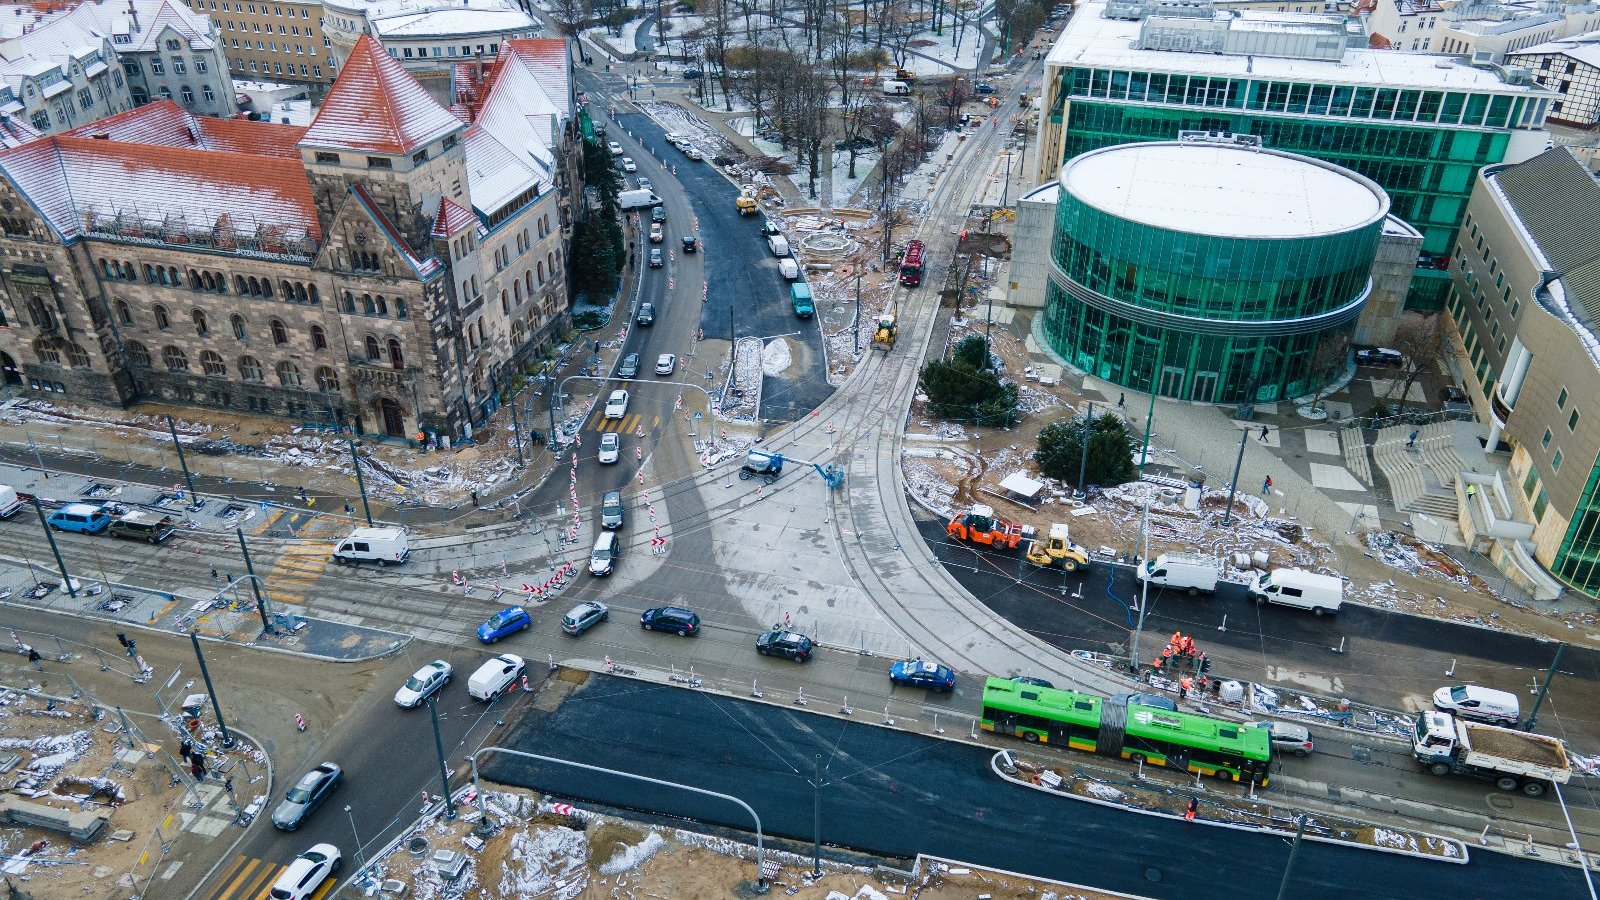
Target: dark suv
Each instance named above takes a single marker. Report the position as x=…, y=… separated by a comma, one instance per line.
x=647, y=314
x=670, y=618
x=658, y=214
x=788, y=644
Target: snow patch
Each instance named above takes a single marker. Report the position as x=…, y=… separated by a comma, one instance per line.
x=550, y=864
x=776, y=358
x=631, y=857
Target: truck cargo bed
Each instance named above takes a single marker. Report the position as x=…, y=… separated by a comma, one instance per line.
x=1534, y=749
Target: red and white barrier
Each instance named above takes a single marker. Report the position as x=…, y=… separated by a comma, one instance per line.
x=299, y=722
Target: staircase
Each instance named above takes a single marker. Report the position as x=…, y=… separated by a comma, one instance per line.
x=1421, y=478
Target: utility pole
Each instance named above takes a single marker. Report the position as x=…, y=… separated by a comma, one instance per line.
x=227, y=739
x=444, y=772
x=50, y=536
x=255, y=583
x=1227, y=515
x=194, y=498
x=816, y=822
x=516, y=434
x=1144, y=591
x=361, y=484
x=860, y=264
x=1533, y=716
x=550, y=386
x=1149, y=418
x=1294, y=850
x=1083, y=459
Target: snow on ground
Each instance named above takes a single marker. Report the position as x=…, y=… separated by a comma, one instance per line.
x=634, y=855
x=776, y=358
x=547, y=863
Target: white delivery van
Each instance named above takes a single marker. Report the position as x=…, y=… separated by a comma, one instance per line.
x=378, y=545
x=603, y=558
x=9, y=502
x=1468, y=701
x=895, y=88
x=495, y=677
x=788, y=268
x=1322, y=594
x=637, y=199
x=1190, y=572
x=779, y=245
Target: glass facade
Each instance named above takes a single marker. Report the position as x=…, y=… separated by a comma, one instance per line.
x=1202, y=317
x=1422, y=146
x=1578, y=561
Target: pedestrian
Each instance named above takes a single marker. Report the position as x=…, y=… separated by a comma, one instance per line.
x=1194, y=807
x=213, y=573
x=1263, y=438
x=474, y=498
x=197, y=768
x=1411, y=442
x=1266, y=485
x=1122, y=401
x=1188, y=645
x=1186, y=685
x=33, y=657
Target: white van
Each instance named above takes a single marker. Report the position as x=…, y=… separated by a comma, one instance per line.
x=495, y=677
x=893, y=87
x=380, y=545
x=1190, y=572
x=788, y=268
x=1468, y=701
x=9, y=502
x=779, y=245
x=603, y=558
x=1322, y=594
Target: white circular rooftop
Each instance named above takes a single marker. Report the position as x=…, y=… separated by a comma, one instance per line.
x=1223, y=190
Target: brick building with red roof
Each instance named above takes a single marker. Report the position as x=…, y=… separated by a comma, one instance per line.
x=388, y=268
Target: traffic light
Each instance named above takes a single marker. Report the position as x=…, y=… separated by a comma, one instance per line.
x=122, y=638
x=1205, y=664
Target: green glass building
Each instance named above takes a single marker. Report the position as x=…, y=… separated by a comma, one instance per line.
x=1211, y=269
x=1420, y=125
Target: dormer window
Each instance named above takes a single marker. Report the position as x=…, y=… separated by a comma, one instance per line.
x=173, y=45
x=379, y=162
x=325, y=157
x=419, y=157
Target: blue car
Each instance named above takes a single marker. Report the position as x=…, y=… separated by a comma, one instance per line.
x=504, y=623
x=924, y=674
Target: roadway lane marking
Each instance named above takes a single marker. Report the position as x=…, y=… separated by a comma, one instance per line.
x=297, y=568
x=246, y=878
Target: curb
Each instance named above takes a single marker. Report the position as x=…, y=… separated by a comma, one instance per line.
x=994, y=765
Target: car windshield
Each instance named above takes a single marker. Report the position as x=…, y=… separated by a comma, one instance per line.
x=414, y=683
x=1458, y=694
x=313, y=857
x=297, y=795
x=600, y=555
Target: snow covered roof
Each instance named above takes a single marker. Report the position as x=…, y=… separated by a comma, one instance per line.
x=48, y=32
x=518, y=112
x=68, y=177
x=14, y=132
x=166, y=124
x=446, y=21
x=376, y=106
x=1583, y=48
x=451, y=219
x=1224, y=190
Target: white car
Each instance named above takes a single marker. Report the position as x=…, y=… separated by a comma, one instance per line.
x=628, y=164
x=617, y=405
x=423, y=683
x=610, y=447
x=692, y=153
x=666, y=364
x=644, y=183
x=307, y=873
x=614, y=147
x=657, y=233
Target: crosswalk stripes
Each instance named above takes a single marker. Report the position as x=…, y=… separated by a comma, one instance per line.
x=296, y=571
x=624, y=425
x=248, y=878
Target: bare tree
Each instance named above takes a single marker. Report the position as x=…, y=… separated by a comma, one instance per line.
x=569, y=15
x=952, y=94
x=719, y=24
x=1421, y=341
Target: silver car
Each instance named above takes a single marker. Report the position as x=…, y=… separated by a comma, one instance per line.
x=307, y=794
x=584, y=616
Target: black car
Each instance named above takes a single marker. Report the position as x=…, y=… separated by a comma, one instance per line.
x=1452, y=394
x=1380, y=356
x=690, y=245
x=629, y=367
x=655, y=258
x=983, y=87
x=658, y=213
x=692, y=74
x=670, y=618
x=647, y=314
x=788, y=644
x=307, y=794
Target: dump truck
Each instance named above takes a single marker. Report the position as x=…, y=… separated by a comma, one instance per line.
x=883, y=334
x=1057, y=549
x=1513, y=760
x=979, y=525
x=746, y=203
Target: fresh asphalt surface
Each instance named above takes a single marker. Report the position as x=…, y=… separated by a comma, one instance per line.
x=897, y=794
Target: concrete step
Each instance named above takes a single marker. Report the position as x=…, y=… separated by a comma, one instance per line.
x=1437, y=504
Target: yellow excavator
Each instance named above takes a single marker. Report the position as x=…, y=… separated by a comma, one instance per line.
x=1057, y=549
x=746, y=201
x=883, y=333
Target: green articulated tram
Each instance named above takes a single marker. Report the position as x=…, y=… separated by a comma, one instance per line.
x=1158, y=737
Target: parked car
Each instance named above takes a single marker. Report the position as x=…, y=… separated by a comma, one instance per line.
x=1380, y=356
x=666, y=364
x=692, y=73
x=423, y=683
x=1287, y=737
x=614, y=147
x=307, y=873
x=658, y=232
x=647, y=314
x=983, y=87
x=655, y=258
x=629, y=367
x=1154, y=701
x=670, y=618
x=610, y=447
x=611, y=510
x=1452, y=394
x=584, y=616
x=628, y=164
x=1029, y=679
x=690, y=245
x=617, y=405
x=693, y=153
x=787, y=644
x=924, y=674
x=306, y=795
x=503, y=624
x=658, y=213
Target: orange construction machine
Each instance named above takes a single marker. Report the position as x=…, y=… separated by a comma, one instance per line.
x=979, y=526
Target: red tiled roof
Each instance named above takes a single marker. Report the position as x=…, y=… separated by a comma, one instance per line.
x=425, y=267
x=452, y=219
x=68, y=177
x=166, y=124
x=377, y=106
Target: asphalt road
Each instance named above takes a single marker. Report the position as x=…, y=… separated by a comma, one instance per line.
x=896, y=794
x=1389, y=660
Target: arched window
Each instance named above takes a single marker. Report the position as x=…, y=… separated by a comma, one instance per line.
x=41, y=315
x=383, y=306
x=287, y=289
x=150, y=273
x=250, y=368
x=211, y=363
x=311, y=294
x=240, y=286
x=46, y=351
x=209, y=281
x=288, y=374
x=516, y=291
x=541, y=272
x=319, y=338
x=399, y=308
x=138, y=356
x=174, y=360
x=299, y=292
x=527, y=281
x=172, y=275
x=373, y=353
x=327, y=380
x=481, y=335
x=280, y=332
x=163, y=321
x=396, y=358
x=194, y=280
x=505, y=302
x=124, y=313
x=239, y=329
x=266, y=288
x=255, y=287
x=516, y=334
x=199, y=317
x=367, y=306
x=77, y=357
x=349, y=303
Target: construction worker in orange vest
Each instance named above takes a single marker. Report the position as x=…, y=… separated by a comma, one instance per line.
x=1186, y=684
x=1188, y=645
x=1194, y=807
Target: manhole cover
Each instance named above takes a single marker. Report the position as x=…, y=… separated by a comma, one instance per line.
x=1152, y=874
x=1500, y=801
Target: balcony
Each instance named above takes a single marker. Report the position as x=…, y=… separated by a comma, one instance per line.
x=1499, y=408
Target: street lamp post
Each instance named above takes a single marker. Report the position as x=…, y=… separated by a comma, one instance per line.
x=1144, y=591
x=216, y=706
x=60, y=564
x=444, y=772
x=361, y=858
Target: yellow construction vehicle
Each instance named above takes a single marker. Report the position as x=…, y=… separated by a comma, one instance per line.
x=884, y=333
x=1058, y=550
x=747, y=201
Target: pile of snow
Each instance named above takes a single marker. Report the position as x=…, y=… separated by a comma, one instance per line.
x=549, y=863
x=776, y=358
x=631, y=857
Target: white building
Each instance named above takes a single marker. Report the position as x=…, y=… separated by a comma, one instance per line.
x=1486, y=30
x=429, y=37
x=1571, y=68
